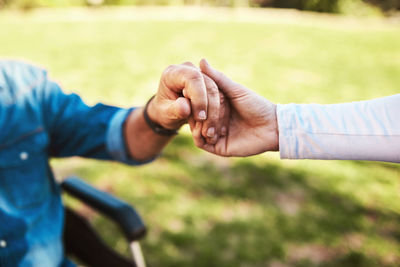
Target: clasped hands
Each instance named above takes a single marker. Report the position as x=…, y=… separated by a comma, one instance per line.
x=225, y=117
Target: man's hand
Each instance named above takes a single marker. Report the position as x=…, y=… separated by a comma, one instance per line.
x=250, y=120
x=183, y=91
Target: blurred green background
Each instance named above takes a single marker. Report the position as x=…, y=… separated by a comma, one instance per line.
x=359, y=7
x=204, y=210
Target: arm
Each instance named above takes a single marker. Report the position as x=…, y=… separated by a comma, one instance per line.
x=365, y=130
x=107, y=132
x=137, y=136
x=368, y=130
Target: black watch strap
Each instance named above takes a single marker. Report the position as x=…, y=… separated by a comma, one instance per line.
x=157, y=128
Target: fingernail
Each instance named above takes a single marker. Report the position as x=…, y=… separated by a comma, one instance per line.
x=223, y=130
x=212, y=140
x=211, y=132
x=202, y=115
x=205, y=61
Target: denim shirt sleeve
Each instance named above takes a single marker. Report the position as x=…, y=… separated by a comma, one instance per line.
x=76, y=129
x=116, y=141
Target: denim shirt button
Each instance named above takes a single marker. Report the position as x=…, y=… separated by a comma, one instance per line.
x=23, y=155
x=3, y=243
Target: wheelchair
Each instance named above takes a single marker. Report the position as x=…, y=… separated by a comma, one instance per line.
x=83, y=243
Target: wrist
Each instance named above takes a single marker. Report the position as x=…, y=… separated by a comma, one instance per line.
x=273, y=129
x=152, y=110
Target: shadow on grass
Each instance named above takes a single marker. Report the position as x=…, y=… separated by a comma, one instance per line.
x=385, y=165
x=299, y=215
x=266, y=214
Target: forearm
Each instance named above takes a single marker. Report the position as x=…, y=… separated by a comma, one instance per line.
x=142, y=142
x=366, y=130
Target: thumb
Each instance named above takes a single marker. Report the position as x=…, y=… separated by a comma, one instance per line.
x=179, y=109
x=230, y=88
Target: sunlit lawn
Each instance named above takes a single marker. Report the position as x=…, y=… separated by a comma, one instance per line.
x=203, y=210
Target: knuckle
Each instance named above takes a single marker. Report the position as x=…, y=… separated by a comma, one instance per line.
x=213, y=93
x=169, y=69
x=195, y=75
x=211, y=121
x=188, y=63
x=221, y=98
x=214, y=116
x=212, y=89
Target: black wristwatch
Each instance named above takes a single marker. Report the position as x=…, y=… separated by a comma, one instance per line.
x=157, y=128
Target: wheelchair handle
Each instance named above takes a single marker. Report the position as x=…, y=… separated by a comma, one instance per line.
x=117, y=210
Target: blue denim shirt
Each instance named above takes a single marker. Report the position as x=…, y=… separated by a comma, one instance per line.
x=39, y=121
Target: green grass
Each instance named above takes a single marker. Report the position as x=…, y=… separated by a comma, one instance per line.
x=203, y=210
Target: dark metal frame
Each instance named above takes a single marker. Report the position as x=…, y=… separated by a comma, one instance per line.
x=82, y=241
